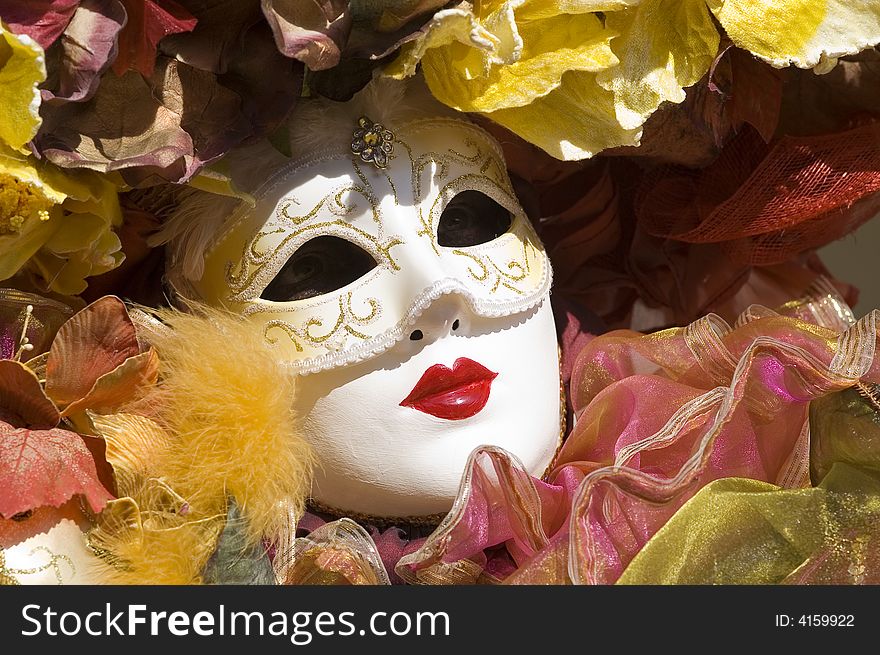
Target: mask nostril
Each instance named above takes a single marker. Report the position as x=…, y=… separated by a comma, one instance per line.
x=455, y=324
x=416, y=335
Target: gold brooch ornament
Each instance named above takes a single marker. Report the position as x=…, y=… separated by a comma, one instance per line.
x=372, y=142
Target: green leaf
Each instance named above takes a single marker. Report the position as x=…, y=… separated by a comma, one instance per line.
x=234, y=562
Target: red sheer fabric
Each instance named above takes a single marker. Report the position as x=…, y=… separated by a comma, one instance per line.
x=765, y=203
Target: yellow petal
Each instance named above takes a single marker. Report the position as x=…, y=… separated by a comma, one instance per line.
x=551, y=47
x=444, y=29
x=583, y=119
x=76, y=231
x=66, y=274
x=663, y=47
x=27, y=169
x=17, y=248
x=22, y=69
x=533, y=9
x=805, y=33
x=55, y=222
x=87, y=193
x=106, y=254
x=28, y=211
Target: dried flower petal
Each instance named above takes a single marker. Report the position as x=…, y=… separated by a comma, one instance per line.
x=166, y=128
x=91, y=344
x=312, y=32
x=85, y=51
x=22, y=400
x=42, y=20
x=149, y=21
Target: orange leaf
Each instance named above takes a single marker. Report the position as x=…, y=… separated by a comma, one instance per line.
x=45, y=468
x=22, y=400
x=91, y=344
x=149, y=21
x=120, y=385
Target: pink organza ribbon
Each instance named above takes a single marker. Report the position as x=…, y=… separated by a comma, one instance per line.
x=659, y=416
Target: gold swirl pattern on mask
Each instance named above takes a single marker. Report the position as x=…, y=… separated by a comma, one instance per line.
x=489, y=272
x=508, y=276
x=345, y=326
x=8, y=575
x=254, y=268
x=443, y=161
x=499, y=191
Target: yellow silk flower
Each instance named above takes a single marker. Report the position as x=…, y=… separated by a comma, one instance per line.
x=519, y=62
x=577, y=77
x=22, y=69
x=803, y=33
x=55, y=224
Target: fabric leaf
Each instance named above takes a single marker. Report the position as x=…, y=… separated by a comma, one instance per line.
x=165, y=128
x=234, y=561
x=91, y=344
x=91, y=134
x=22, y=400
x=822, y=104
x=120, y=385
x=86, y=49
x=266, y=100
x=149, y=21
x=42, y=20
x=312, y=31
x=213, y=44
x=45, y=468
x=751, y=90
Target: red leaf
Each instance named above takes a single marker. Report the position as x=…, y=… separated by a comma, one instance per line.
x=42, y=20
x=22, y=400
x=149, y=21
x=91, y=344
x=45, y=468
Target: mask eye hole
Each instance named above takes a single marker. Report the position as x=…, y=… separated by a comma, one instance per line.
x=319, y=266
x=472, y=218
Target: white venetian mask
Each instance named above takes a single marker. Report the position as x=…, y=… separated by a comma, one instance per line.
x=408, y=288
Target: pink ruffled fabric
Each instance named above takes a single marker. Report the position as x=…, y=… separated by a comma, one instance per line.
x=659, y=416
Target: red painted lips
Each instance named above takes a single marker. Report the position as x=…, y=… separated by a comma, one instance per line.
x=454, y=394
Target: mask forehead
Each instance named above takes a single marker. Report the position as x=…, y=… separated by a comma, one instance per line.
x=392, y=213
